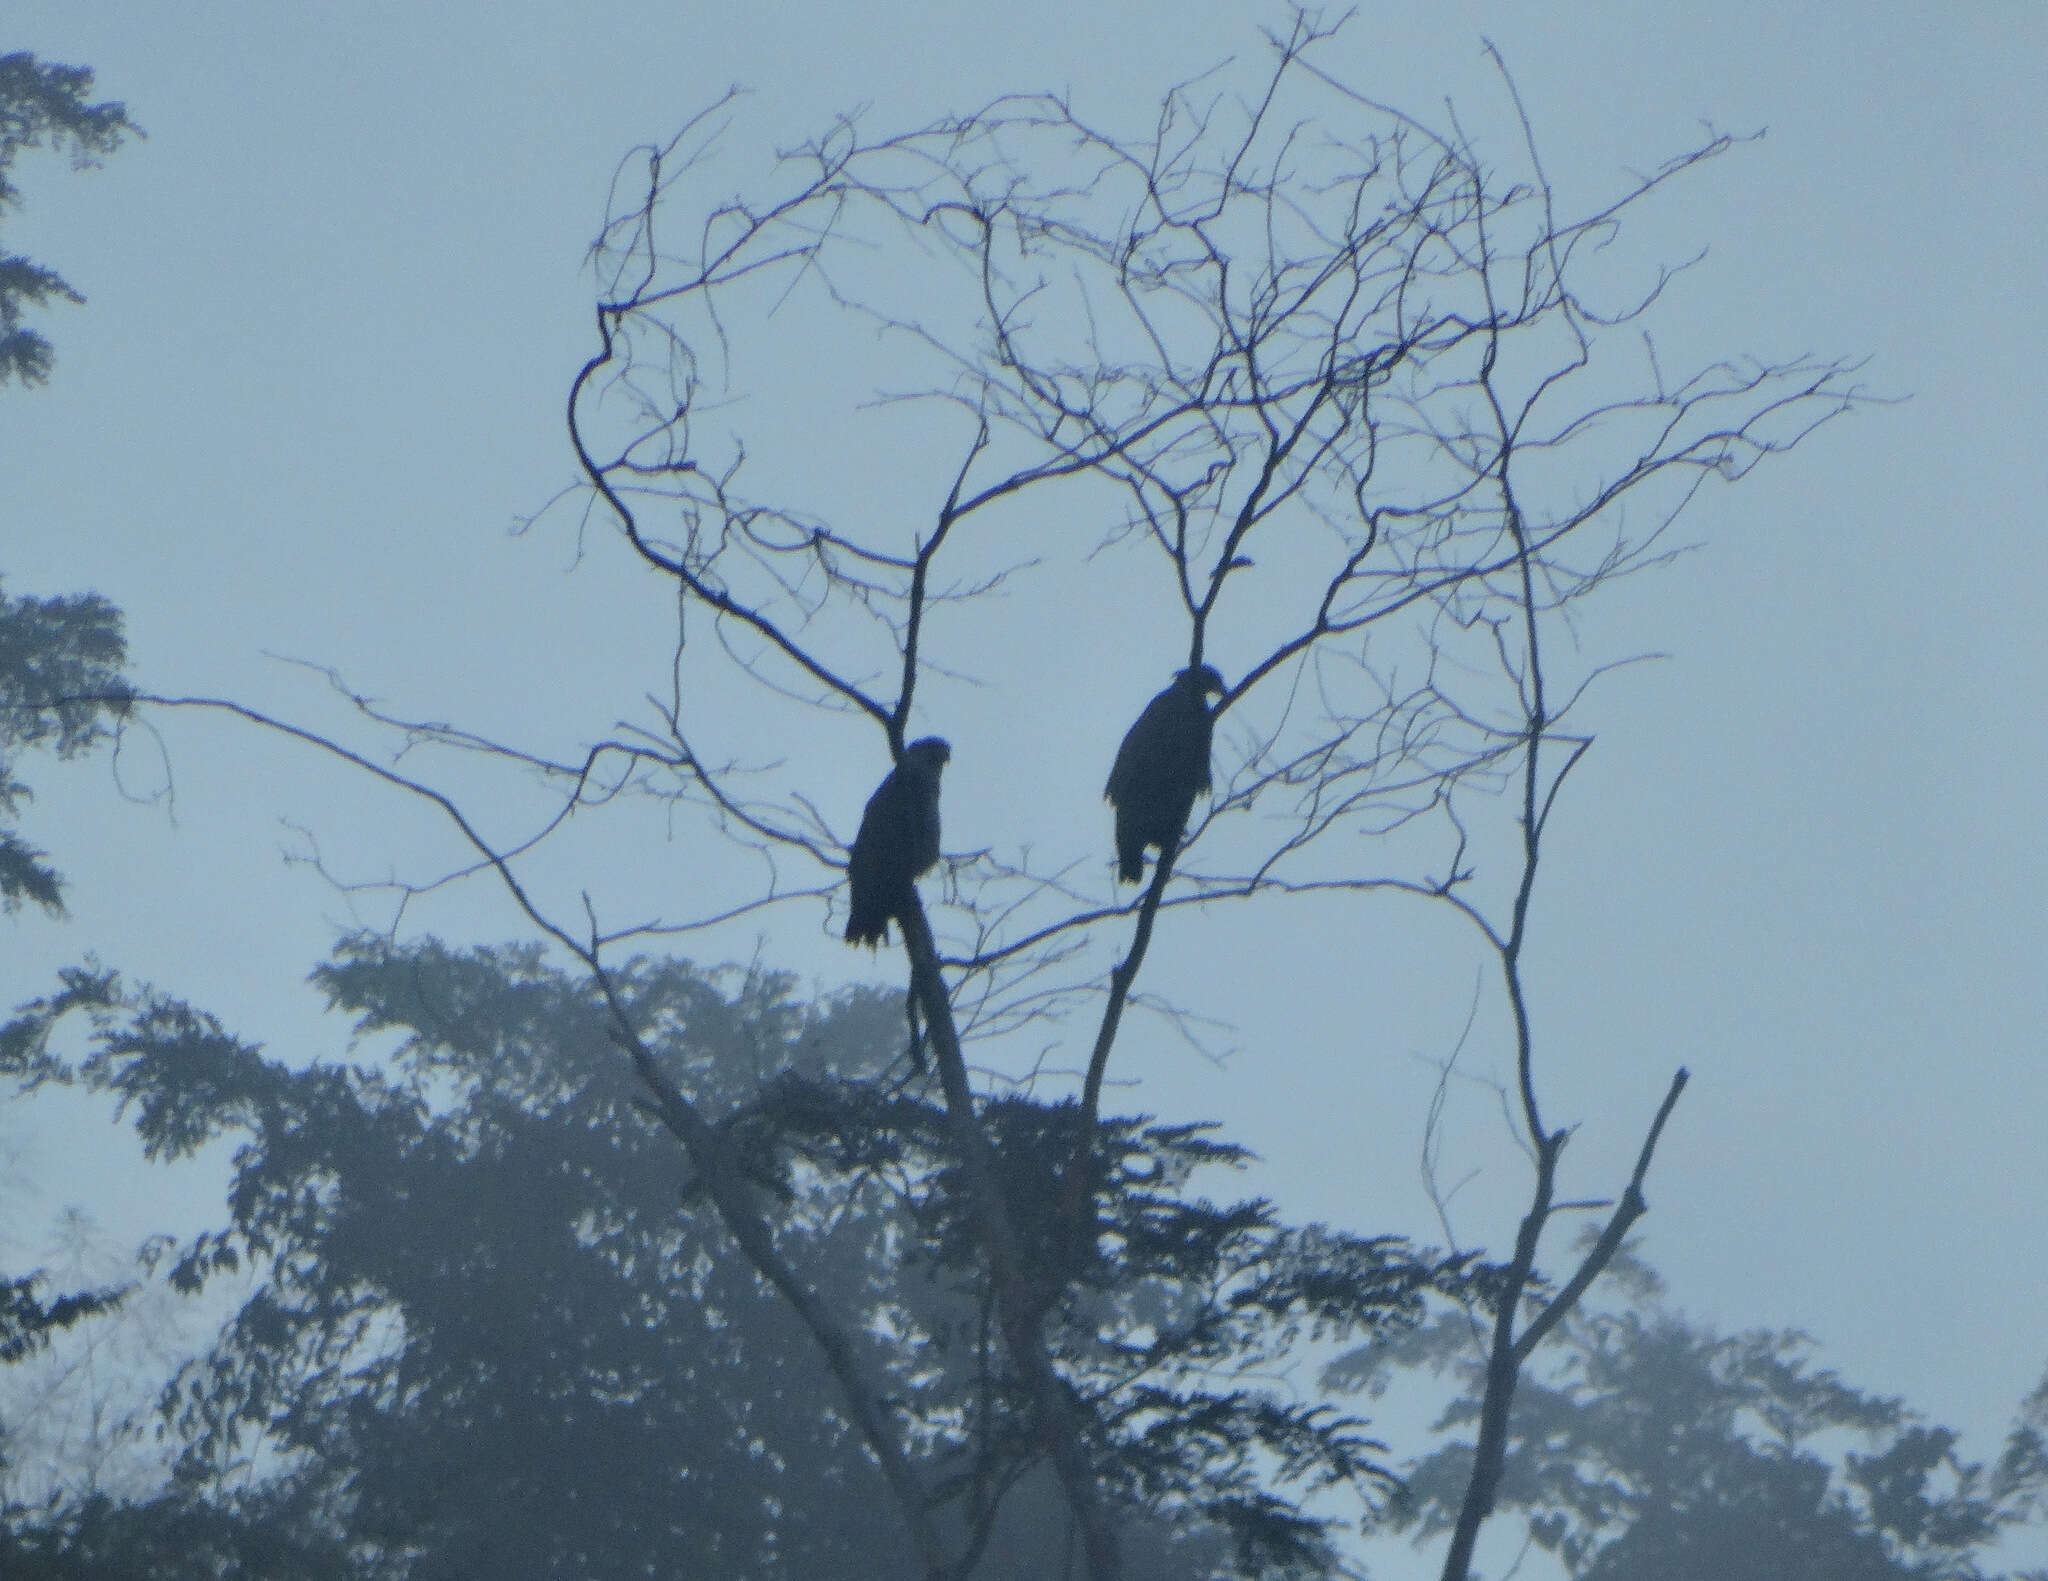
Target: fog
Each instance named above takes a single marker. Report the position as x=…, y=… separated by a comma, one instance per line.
x=310, y=419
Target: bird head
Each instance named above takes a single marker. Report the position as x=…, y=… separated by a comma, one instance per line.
x=1202, y=680
x=929, y=753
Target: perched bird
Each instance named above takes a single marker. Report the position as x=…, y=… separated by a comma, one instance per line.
x=1160, y=769
x=898, y=839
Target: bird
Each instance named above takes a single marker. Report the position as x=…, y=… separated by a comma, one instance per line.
x=898, y=840
x=1160, y=769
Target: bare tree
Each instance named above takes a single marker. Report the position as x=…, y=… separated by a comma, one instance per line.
x=1298, y=337
x=1350, y=395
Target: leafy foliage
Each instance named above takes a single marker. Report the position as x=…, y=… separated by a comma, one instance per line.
x=498, y=1329
x=28, y=1318
x=43, y=104
x=60, y=685
x=1655, y=1450
x=50, y=648
x=173, y=1538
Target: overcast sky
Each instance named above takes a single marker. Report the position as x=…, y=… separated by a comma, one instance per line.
x=335, y=300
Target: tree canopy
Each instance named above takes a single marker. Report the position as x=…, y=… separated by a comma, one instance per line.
x=496, y=1324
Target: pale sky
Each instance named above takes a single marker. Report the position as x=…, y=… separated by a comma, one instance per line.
x=336, y=298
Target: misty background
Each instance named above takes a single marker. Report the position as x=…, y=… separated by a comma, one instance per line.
x=313, y=412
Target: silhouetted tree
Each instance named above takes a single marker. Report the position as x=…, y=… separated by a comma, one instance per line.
x=1293, y=336
x=1337, y=388
x=1651, y=1448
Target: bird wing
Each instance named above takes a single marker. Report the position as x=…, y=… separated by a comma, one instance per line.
x=886, y=829
x=1143, y=746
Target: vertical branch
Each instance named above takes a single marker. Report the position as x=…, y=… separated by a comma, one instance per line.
x=1504, y=1358
x=1535, y=722
x=729, y=1193
x=920, y=573
x=1023, y=1294
x=1121, y=979
x=1508, y=1352
x=1076, y=1208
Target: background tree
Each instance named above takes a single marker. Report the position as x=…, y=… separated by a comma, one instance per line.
x=50, y=648
x=44, y=105
x=491, y=1322
x=64, y=648
x=1652, y=1448
x=496, y=1323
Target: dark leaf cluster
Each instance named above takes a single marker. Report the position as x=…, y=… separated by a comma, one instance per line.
x=29, y=1314
x=61, y=686
x=43, y=105
x=1163, y=1317
x=175, y=1537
